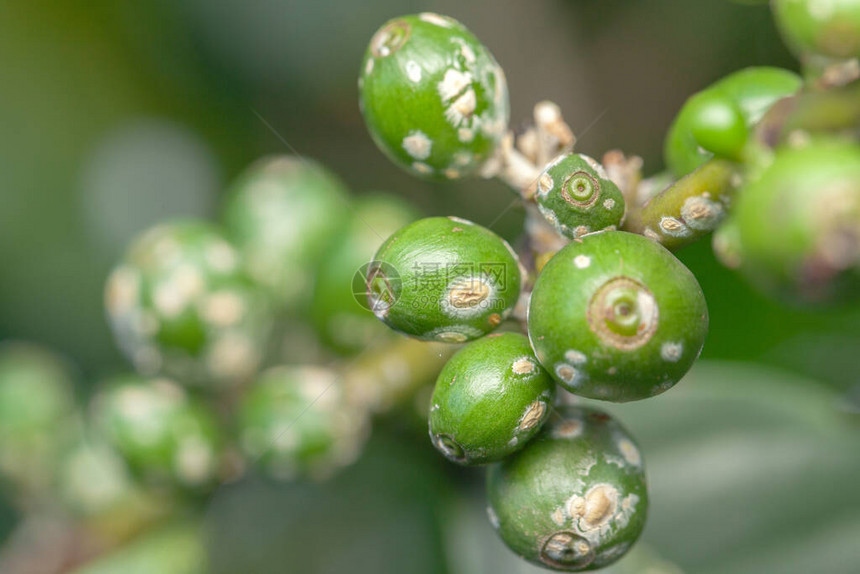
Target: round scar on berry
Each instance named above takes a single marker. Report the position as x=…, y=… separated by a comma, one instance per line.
x=577, y=197
x=444, y=279
x=615, y=316
x=575, y=498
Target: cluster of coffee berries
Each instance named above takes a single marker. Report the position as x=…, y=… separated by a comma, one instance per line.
x=794, y=226
x=226, y=327
x=51, y=456
x=605, y=310
x=227, y=323
x=611, y=316
x=221, y=311
x=234, y=331
x=808, y=250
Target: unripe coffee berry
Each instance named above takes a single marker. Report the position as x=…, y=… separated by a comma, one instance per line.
x=295, y=422
x=164, y=434
x=575, y=498
x=828, y=28
x=490, y=399
x=444, y=279
x=94, y=484
x=434, y=99
x=37, y=411
x=807, y=247
x=180, y=304
x=718, y=124
x=712, y=115
x=576, y=196
x=338, y=310
x=615, y=316
x=282, y=213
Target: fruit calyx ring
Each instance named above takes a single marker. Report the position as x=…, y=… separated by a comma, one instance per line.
x=623, y=313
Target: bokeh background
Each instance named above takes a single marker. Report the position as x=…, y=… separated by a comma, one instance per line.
x=117, y=114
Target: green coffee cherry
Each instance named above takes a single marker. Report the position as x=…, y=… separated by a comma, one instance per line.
x=575, y=498
x=94, y=485
x=37, y=410
x=712, y=115
x=576, y=196
x=812, y=27
x=718, y=124
x=166, y=436
x=444, y=279
x=180, y=304
x=93, y=479
x=799, y=224
x=490, y=399
x=339, y=311
x=614, y=316
x=295, y=422
x=283, y=213
x=434, y=99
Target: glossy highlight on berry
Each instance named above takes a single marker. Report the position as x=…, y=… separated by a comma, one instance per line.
x=444, y=279
x=712, y=115
x=575, y=498
x=614, y=316
x=490, y=399
x=434, y=99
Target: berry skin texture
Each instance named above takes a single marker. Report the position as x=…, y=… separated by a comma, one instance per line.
x=295, y=422
x=340, y=320
x=283, y=213
x=490, y=399
x=615, y=316
x=812, y=27
x=444, y=279
x=575, y=498
x=751, y=91
x=180, y=304
x=165, y=435
x=807, y=249
x=434, y=99
x=576, y=196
